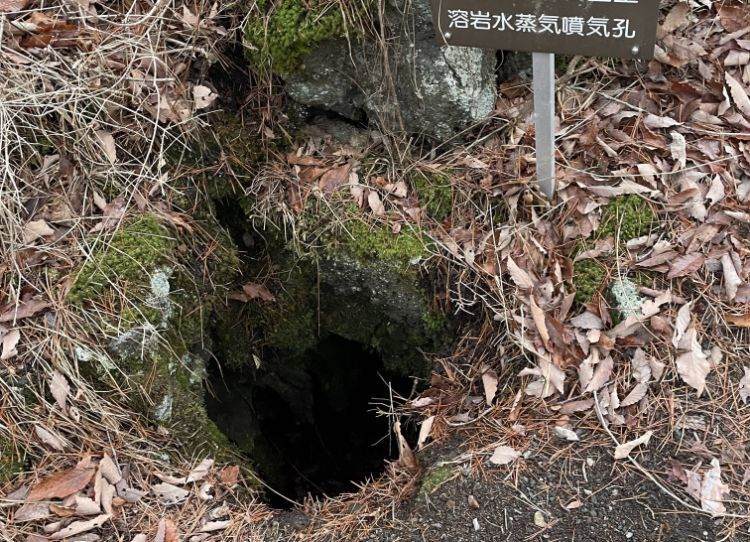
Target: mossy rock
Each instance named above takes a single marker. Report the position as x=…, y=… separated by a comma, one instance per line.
x=138, y=247
x=157, y=307
x=284, y=32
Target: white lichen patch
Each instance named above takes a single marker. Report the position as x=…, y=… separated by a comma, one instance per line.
x=159, y=295
x=627, y=299
x=163, y=410
x=86, y=355
x=196, y=368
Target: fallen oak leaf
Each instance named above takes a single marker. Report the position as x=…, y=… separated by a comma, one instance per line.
x=11, y=6
x=32, y=511
x=49, y=438
x=713, y=490
x=504, y=455
x=623, y=450
x=685, y=265
x=519, y=276
x=24, y=309
x=9, y=343
x=489, y=382
x=739, y=94
x=60, y=389
x=169, y=494
x=61, y=484
x=258, y=291
x=36, y=229
x=78, y=527
x=107, y=144
x=200, y=471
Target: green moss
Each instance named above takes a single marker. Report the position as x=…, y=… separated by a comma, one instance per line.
x=131, y=254
x=12, y=461
x=368, y=243
x=435, y=478
x=626, y=217
x=290, y=29
x=434, y=191
x=588, y=279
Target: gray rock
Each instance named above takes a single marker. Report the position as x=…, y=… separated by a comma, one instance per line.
x=415, y=86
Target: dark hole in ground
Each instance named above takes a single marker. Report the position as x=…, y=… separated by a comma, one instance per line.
x=309, y=423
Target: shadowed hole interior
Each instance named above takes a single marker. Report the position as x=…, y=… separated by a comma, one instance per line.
x=309, y=424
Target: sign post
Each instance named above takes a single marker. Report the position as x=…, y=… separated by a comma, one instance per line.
x=613, y=28
x=544, y=120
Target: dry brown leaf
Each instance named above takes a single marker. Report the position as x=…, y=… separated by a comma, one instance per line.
x=676, y=18
x=60, y=389
x=169, y=494
x=257, y=291
x=654, y=121
x=35, y=229
x=713, y=490
x=10, y=6
x=49, y=438
x=623, y=450
x=693, y=365
x=739, y=320
x=78, y=527
x=732, y=280
x=32, y=511
x=601, y=375
x=109, y=469
x=685, y=265
x=373, y=200
x=739, y=94
x=636, y=394
x=166, y=531
x=107, y=143
x=406, y=457
x=537, y=314
x=200, y=471
x=489, y=382
x=504, y=455
x=519, y=276
x=25, y=309
x=61, y=484
x=9, y=343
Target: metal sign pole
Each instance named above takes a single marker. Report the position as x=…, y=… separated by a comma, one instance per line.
x=544, y=120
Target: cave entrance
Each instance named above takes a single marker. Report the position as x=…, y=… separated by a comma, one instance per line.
x=309, y=422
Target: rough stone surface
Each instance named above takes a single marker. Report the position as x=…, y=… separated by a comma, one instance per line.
x=421, y=87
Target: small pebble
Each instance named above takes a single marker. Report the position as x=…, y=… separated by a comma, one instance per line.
x=475, y=521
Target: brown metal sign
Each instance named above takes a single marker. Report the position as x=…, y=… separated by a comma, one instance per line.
x=614, y=28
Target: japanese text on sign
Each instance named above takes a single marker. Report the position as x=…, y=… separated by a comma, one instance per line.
x=623, y=28
x=553, y=24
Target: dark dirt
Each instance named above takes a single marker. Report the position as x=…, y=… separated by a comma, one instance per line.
x=615, y=504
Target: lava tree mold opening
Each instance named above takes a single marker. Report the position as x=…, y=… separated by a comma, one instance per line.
x=309, y=357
